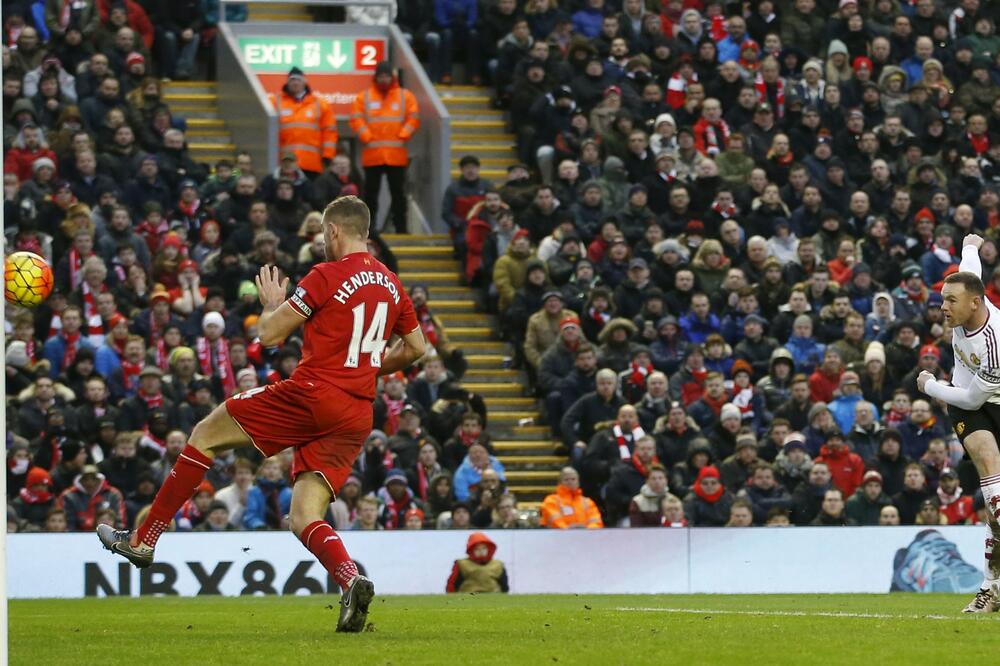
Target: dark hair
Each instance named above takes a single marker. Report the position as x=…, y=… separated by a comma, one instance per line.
x=972, y=283
x=584, y=348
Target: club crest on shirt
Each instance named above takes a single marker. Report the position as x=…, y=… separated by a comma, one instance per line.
x=975, y=359
x=960, y=427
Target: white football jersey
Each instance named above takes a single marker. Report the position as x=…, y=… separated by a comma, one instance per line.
x=977, y=355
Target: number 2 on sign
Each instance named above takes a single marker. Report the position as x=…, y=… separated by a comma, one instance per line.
x=372, y=342
x=369, y=55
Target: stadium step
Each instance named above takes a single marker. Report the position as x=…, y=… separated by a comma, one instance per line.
x=438, y=264
x=422, y=251
x=278, y=11
x=415, y=239
x=486, y=389
x=536, y=476
x=208, y=138
x=508, y=446
x=533, y=460
x=496, y=175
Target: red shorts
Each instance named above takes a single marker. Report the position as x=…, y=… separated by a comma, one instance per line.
x=326, y=426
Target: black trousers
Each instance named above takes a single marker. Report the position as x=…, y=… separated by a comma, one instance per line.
x=397, y=181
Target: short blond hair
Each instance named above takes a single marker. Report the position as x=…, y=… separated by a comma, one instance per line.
x=350, y=214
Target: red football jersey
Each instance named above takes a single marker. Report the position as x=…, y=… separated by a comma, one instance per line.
x=352, y=307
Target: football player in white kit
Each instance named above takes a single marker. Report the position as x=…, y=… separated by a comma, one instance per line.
x=974, y=397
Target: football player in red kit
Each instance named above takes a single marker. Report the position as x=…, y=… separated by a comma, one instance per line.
x=349, y=306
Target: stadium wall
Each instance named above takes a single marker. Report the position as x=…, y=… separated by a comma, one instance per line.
x=741, y=561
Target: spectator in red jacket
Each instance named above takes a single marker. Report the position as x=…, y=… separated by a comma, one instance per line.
x=847, y=469
x=826, y=379
x=955, y=506
x=29, y=146
x=89, y=494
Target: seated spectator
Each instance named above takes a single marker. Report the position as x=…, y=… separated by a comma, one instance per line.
x=740, y=514
x=405, y=444
x=35, y=500
x=544, y=327
x=645, y=509
x=567, y=507
x=914, y=493
x=808, y=497
x=628, y=477
x=708, y=504
x=396, y=498
x=846, y=467
x=479, y=572
x=832, y=510
x=470, y=472
x=736, y=470
x=235, y=496
x=920, y=429
x=269, y=500
x=865, y=506
x=368, y=515
x=123, y=468
x=457, y=448
x=89, y=492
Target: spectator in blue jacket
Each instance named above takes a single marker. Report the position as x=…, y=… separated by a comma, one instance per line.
x=269, y=500
x=806, y=352
x=699, y=323
x=765, y=493
x=729, y=48
x=940, y=257
x=587, y=21
x=61, y=348
x=920, y=429
x=843, y=406
x=454, y=24
x=470, y=472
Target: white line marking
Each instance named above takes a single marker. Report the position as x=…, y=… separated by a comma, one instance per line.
x=877, y=616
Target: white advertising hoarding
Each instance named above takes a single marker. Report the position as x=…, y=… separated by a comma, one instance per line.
x=612, y=561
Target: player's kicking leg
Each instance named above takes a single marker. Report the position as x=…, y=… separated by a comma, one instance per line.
x=983, y=449
x=310, y=498
x=215, y=433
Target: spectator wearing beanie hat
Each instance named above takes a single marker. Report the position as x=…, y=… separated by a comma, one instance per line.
x=212, y=349
x=544, y=327
x=709, y=502
x=875, y=384
x=558, y=359
x=36, y=499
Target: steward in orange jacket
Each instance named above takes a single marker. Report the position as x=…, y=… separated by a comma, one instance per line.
x=306, y=124
x=385, y=117
x=568, y=507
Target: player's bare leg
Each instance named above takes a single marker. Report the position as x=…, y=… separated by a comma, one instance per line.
x=217, y=432
x=983, y=449
x=310, y=498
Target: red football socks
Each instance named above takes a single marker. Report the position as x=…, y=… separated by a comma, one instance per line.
x=322, y=541
x=187, y=474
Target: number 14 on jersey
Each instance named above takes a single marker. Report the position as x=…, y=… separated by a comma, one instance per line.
x=370, y=341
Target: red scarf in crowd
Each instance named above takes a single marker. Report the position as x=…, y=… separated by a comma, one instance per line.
x=152, y=441
x=71, y=345
x=190, y=210
x=761, y=87
x=152, y=401
x=623, y=450
x=743, y=398
x=29, y=349
x=727, y=212
x=715, y=405
x=427, y=325
x=392, y=410
x=712, y=471
x=638, y=374
x=717, y=28
x=716, y=135
x=423, y=482
x=601, y=318
x=642, y=469
x=980, y=144
x=75, y=266
x=223, y=367
x=162, y=355
x=130, y=375
x=677, y=89
x=30, y=497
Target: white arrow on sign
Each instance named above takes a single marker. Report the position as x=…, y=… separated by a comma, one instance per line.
x=337, y=59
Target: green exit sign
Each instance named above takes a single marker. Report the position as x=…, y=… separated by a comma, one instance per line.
x=279, y=54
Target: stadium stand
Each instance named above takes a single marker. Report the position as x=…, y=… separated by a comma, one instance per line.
x=696, y=239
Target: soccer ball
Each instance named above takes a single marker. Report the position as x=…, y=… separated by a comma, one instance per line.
x=27, y=279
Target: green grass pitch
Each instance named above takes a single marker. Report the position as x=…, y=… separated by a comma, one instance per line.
x=498, y=629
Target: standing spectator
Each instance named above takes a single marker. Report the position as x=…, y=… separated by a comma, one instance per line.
x=454, y=23
x=460, y=198
x=179, y=24
x=385, y=117
x=567, y=507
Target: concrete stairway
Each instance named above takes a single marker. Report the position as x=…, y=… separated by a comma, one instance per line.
x=525, y=450
x=198, y=103
x=479, y=129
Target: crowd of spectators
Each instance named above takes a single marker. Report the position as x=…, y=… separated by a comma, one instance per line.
x=717, y=262
x=719, y=256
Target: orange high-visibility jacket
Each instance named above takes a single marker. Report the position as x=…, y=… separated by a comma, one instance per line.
x=307, y=127
x=384, y=123
x=570, y=508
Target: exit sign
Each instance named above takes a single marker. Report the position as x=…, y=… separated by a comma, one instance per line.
x=321, y=56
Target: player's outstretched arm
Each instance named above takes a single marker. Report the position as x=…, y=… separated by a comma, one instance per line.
x=970, y=255
x=968, y=398
x=279, y=319
x=401, y=355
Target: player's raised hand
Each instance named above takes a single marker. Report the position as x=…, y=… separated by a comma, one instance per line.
x=973, y=240
x=923, y=378
x=270, y=288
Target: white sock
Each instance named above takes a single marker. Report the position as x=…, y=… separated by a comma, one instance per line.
x=991, y=495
